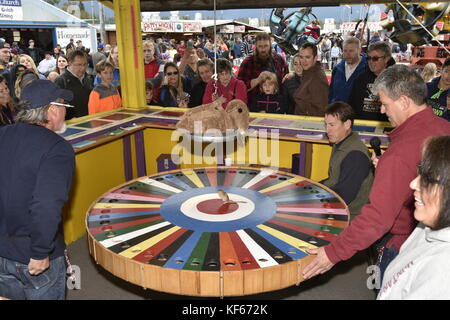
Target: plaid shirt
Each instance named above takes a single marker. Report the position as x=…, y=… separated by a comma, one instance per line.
x=250, y=69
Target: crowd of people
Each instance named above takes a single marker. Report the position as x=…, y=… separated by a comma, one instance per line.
x=180, y=74
x=409, y=185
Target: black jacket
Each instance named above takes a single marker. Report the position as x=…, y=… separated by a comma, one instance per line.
x=35, y=181
x=365, y=104
x=81, y=92
x=269, y=103
x=198, y=90
x=289, y=87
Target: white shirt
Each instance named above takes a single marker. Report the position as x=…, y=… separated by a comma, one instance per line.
x=349, y=70
x=47, y=65
x=335, y=52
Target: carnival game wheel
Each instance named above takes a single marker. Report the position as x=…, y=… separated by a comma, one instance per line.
x=215, y=231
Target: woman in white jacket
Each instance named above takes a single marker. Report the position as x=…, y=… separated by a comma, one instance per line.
x=421, y=270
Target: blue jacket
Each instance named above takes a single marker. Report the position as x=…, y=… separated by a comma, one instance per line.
x=437, y=99
x=340, y=88
x=237, y=49
x=37, y=167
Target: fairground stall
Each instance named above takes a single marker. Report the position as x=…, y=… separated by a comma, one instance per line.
x=135, y=172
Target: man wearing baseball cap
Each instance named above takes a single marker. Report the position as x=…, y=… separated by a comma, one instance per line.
x=34, y=185
x=70, y=46
x=98, y=56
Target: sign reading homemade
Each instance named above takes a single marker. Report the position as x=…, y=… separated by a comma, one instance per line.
x=63, y=36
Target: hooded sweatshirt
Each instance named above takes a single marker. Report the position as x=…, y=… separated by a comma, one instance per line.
x=420, y=271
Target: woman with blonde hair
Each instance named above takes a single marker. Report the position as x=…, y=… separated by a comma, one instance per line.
x=292, y=83
x=28, y=62
x=113, y=58
x=429, y=72
x=25, y=77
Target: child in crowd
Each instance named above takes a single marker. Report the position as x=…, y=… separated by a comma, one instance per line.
x=149, y=94
x=270, y=100
x=105, y=95
x=228, y=85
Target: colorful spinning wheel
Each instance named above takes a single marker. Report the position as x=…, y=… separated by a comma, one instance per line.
x=216, y=231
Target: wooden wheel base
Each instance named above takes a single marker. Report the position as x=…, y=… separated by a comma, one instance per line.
x=161, y=233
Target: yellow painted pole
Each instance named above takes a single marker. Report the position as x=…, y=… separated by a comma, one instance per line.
x=131, y=60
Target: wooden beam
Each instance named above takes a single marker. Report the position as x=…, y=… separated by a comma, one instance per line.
x=131, y=59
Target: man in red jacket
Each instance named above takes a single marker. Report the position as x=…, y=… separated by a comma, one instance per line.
x=388, y=218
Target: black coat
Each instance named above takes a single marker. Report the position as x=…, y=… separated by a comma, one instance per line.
x=365, y=104
x=81, y=92
x=269, y=103
x=198, y=90
x=289, y=87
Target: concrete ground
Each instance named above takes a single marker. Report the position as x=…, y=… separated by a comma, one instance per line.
x=346, y=281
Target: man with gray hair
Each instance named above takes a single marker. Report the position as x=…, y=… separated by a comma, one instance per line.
x=388, y=219
x=38, y=165
x=363, y=101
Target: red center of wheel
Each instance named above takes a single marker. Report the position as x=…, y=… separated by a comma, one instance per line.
x=216, y=206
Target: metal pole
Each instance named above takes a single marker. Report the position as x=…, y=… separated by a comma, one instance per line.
x=92, y=12
x=101, y=15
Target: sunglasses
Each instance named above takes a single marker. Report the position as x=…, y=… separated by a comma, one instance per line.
x=374, y=59
x=172, y=73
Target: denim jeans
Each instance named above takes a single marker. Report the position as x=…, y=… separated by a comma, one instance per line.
x=16, y=282
x=388, y=255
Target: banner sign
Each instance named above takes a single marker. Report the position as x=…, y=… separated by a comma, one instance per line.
x=228, y=28
x=63, y=36
x=158, y=27
x=171, y=27
x=11, y=10
x=350, y=26
x=192, y=27
x=239, y=29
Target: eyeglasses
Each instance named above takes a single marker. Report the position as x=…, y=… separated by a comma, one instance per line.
x=62, y=104
x=374, y=59
x=172, y=73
